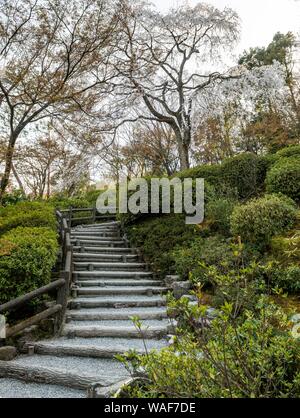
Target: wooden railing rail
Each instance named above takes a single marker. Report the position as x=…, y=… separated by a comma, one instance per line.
x=70, y=215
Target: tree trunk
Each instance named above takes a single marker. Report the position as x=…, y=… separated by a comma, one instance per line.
x=8, y=167
x=15, y=173
x=183, y=150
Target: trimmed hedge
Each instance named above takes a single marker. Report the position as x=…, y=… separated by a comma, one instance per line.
x=291, y=151
x=66, y=203
x=245, y=173
x=284, y=177
x=159, y=236
x=260, y=219
x=27, y=257
x=27, y=214
x=211, y=173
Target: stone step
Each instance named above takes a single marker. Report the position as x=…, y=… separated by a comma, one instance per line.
x=98, y=243
x=124, y=290
x=116, y=314
x=81, y=350
x=95, y=235
x=81, y=275
x=75, y=372
x=91, y=331
x=87, y=231
x=87, y=257
x=94, y=265
x=117, y=282
x=100, y=225
x=17, y=389
x=123, y=323
x=117, y=302
x=96, y=239
x=86, y=249
x=118, y=344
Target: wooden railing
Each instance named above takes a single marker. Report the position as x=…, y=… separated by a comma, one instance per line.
x=61, y=285
x=94, y=216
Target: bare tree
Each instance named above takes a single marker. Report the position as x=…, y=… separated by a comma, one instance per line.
x=60, y=67
x=165, y=61
x=151, y=149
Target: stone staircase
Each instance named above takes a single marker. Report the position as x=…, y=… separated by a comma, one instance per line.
x=110, y=286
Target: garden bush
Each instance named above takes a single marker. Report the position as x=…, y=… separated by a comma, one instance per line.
x=68, y=202
x=189, y=261
x=13, y=197
x=245, y=173
x=262, y=358
x=27, y=257
x=211, y=173
x=260, y=219
x=284, y=177
x=218, y=213
x=291, y=151
x=286, y=249
x=157, y=237
x=27, y=214
x=284, y=277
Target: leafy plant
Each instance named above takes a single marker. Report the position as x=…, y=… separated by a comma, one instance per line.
x=26, y=264
x=284, y=177
x=260, y=219
x=27, y=214
x=254, y=356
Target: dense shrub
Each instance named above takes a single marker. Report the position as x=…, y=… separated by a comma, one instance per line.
x=291, y=151
x=26, y=259
x=27, y=214
x=209, y=251
x=159, y=236
x=284, y=177
x=218, y=212
x=211, y=173
x=262, y=358
x=260, y=219
x=284, y=277
x=92, y=196
x=13, y=197
x=286, y=249
x=245, y=173
x=68, y=202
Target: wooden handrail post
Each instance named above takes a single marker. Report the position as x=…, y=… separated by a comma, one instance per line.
x=70, y=216
x=62, y=299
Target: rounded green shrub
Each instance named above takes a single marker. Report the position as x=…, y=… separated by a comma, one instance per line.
x=68, y=202
x=27, y=214
x=157, y=237
x=27, y=257
x=245, y=173
x=218, y=212
x=211, y=173
x=284, y=177
x=291, y=151
x=260, y=219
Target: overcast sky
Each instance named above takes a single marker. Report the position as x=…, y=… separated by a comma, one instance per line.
x=260, y=19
